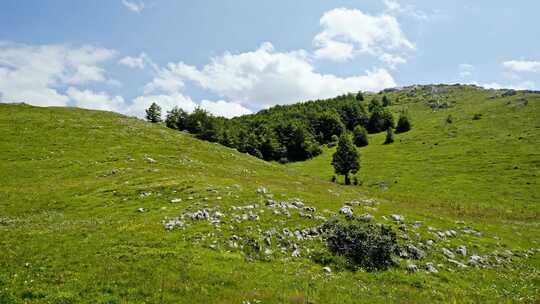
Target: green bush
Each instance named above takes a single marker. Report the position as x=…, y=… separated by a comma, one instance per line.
x=404, y=123
x=369, y=247
x=389, y=136
x=360, y=136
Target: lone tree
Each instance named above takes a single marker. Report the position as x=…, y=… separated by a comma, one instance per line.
x=153, y=113
x=404, y=123
x=389, y=136
x=346, y=159
x=360, y=136
x=359, y=96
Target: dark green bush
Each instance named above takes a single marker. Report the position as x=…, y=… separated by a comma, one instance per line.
x=389, y=136
x=360, y=136
x=371, y=247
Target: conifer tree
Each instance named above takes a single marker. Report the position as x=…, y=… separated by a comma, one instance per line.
x=360, y=136
x=153, y=113
x=389, y=136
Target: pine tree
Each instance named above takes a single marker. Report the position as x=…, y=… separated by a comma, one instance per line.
x=360, y=136
x=386, y=101
x=346, y=159
x=359, y=96
x=389, y=136
x=153, y=113
x=404, y=124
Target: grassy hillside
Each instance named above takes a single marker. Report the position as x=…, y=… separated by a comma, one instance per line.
x=84, y=196
x=480, y=168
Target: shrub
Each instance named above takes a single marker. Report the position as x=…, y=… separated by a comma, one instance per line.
x=449, y=119
x=360, y=96
x=477, y=116
x=360, y=136
x=386, y=101
x=389, y=136
x=355, y=181
x=404, y=124
x=367, y=246
x=334, y=178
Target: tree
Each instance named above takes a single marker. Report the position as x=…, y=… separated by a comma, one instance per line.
x=176, y=119
x=374, y=104
x=360, y=136
x=389, y=136
x=404, y=124
x=346, y=159
x=298, y=141
x=359, y=96
x=328, y=124
x=153, y=113
x=386, y=101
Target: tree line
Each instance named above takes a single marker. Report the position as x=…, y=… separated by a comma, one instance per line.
x=287, y=133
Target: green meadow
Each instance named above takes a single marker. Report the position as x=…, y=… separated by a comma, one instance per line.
x=85, y=196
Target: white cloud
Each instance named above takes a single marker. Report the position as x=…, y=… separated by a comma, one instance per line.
x=392, y=60
x=138, y=62
x=133, y=6
x=349, y=32
x=522, y=66
x=166, y=102
x=34, y=74
x=98, y=101
x=395, y=8
x=465, y=70
x=525, y=85
x=224, y=108
x=264, y=77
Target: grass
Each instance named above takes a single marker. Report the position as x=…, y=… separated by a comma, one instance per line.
x=71, y=182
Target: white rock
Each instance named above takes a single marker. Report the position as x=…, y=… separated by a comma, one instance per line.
x=462, y=250
x=398, y=218
x=430, y=268
x=327, y=269
x=448, y=253
x=296, y=253
x=176, y=200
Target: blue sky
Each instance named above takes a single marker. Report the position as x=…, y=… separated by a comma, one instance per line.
x=234, y=57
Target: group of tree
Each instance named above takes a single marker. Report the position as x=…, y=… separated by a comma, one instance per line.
x=291, y=132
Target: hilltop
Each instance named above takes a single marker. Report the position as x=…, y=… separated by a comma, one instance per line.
x=97, y=207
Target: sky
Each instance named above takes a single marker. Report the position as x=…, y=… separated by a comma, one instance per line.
x=235, y=57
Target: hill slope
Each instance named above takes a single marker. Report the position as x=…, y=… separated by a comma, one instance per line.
x=84, y=194
x=487, y=167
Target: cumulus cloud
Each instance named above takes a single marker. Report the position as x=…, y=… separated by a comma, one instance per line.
x=136, y=7
x=224, y=108
x=349, y=32
x=165, y=101
x=98, y=101
x=264, y=77
x=522, y=66
x=524, y=85
x=395, y=8
x=33, y=74
x=138, y=62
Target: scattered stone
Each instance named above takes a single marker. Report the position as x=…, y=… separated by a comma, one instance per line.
x=327, y=269
x=462, y=250
x=145, y=194
x=415, y=252
x=429, y=242
x=150, y=160
x=141, y=210
x=353, y=203
x=262, y=190
x=448, y=253
x=398, y=218
x=475, y=260
x=267, y=251
x=430, y=268
x=347, y=211
x=412, y=268
x=366, y=217
x=176, y=200
x=457, y=263
x=173, y=223
x=295, y=254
